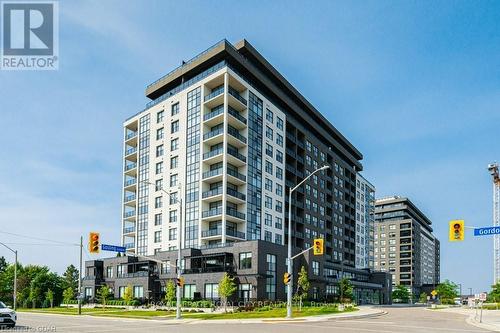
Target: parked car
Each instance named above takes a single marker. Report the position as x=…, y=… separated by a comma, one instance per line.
x=8, y=317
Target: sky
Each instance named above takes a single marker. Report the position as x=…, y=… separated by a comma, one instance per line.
x=414, y=85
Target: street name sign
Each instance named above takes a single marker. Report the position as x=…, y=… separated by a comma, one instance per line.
x=486, y=231
x=113, y=248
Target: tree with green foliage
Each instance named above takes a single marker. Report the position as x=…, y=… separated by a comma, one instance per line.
x=227, y=288
x=3, y=264
x=423, y=297
x=346, y=290
x=103, y=294
x=70, y=278
x=170, y=292
x=447, y=291
x=494, y=294
x=49, y=296
x=401, y=294
x=303, y=285
x=128, y=294
x=68, y=295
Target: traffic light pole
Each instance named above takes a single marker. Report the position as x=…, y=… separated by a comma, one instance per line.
x=80, y=279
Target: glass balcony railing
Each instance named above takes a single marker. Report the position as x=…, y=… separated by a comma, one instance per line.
x=234, y=132
x=130, y=166
x=236, y=194
x=215, y=92
x=212, y=193
x=129, y=198
x=235, y=153
x=233, y=212
x=211, y=232
x=236, y=115
x=236, y=174
x=213, y=133
x=129, y=245
x=129, y=214
x=130, y=151
x=211, y=212
x=236, y=94
x=212, y=173
x=214, y=113
x=235, y=233
x=130, y=135
x=213, y=153
x=128, y=230
x=130, y=182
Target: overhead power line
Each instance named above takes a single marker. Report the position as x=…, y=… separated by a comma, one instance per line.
x=38, y=238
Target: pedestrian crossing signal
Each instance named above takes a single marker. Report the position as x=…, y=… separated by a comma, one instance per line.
x=318, y=247
x=457, y=231
x=287, y=277
x=94, y=242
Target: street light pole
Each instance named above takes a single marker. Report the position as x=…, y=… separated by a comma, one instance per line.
x=289, y=258
x=179, y=237
x=15, y=275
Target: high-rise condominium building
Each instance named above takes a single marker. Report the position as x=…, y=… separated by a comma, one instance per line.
x=228, y=135
x=405, y=245
x=365, y=220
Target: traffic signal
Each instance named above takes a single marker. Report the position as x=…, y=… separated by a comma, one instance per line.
x=94, y=243
x=287, y=277
x=318, y=247
x=179, y=282
x=457, y=231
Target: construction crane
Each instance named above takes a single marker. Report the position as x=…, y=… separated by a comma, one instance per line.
x=493, y=169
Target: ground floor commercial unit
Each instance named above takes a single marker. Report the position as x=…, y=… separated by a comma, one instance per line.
x=257, y=266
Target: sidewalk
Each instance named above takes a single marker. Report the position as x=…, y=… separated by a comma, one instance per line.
x=490, y=319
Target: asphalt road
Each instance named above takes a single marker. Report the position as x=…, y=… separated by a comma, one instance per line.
x=405, y=320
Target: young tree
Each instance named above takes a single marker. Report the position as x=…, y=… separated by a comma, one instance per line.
x=423, y=298
x=227, y=287
x=447, y=291
x=68, y=295
x=494, y=294
x=70, y=278
x=49, y=296
x=303, y=285
x=401, y=293
x=170, y=292
x=346, y=290
x=35, y=295
x=128, y=295
x=103, y=294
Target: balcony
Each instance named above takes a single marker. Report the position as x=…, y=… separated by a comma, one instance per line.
x=129, y=182
x=129, y=214
x=236, y=94
x=129, y=198
x=212, y=193
x=213, y=134
x=130, y=151
x=208, y=270
x=233, y=173
x=214, y=113
x=234, y=213
x=239, y=157
x=130, y=135
x=234, y=113
x=213, y=153
x=236, y=134
x=211, y=233
x=130, y=166
x=211, y=213
x=235, y=233
x=129, y=245
x=215, y=92
x=212, y=173
x=128, y=230
x=236, y=194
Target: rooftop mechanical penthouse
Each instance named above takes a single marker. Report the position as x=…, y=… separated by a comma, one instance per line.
x=229, y=135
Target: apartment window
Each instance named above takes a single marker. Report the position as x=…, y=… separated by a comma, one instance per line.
x=173, y=180
x=279, y=123
x=392, y=227
x=278, y=239
x=279, y=156
x=279, y=189
x=138, y=291
x=268, y=236
x=159, y=133
x=172, y=216
x=279, y=139
x=165, y=267
x=269, y=150
x=174, y=144
x=175, y=109
x=173, y=198
x=109, y=271
x=308, y=145
x=172, y=234
x=157, y=236
x=158, y=202
x=159, y=117
x=279, y=223
x=279, y=173
x=159, y=150
x=158, y=219
x=279, y=206
x=211, y=291
x=269, y=133
x=269, y=115
x=315, y=267
x=271, y=277
x=174, y=127
x=121, y=291
x=246, y=260
x=269, y=167
x=159, y=168
x=269, y=185
x=158, y=184
x=268, y=220
x=174, y=161
x=189, y=290
x=268, y=203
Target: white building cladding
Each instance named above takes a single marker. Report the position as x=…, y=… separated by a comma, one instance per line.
x=219, y=144
x=365, y=220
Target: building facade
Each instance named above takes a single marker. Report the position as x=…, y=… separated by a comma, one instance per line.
x=365, y=221
x=405, y=245
x=227, y=135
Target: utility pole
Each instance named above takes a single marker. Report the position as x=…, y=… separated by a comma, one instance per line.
x=80, y=279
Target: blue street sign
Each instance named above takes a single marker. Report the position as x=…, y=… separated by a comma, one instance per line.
x=113, y=248
x=486, y=231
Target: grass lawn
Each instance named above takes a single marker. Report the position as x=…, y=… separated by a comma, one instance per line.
x=157, y=314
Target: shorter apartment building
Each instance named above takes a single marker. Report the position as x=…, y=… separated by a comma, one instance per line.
x=404, y=244
x=258, y=268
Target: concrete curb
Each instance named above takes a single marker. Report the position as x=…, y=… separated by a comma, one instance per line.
x=471, y=320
